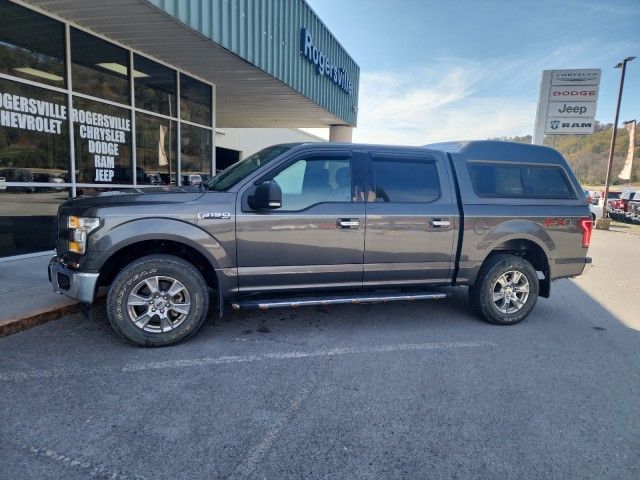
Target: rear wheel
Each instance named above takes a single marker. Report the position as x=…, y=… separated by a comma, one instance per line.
x=505, y=291
x=158, y=300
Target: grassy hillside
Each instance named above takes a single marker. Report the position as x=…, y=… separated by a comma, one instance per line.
x=588, y=154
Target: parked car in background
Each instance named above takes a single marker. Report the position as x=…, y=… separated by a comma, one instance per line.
x=617, y=207
x=190, y=180
x=167, y=179
x=23, y=175
x=153, y=179
x=593, y=196
x=633, y=209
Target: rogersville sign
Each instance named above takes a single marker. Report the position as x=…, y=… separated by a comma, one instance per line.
x=324, y=65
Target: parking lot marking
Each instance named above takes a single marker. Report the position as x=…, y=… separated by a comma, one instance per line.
x=254, y=456
x=89, y=469
x=228, y=359
x=198, y=362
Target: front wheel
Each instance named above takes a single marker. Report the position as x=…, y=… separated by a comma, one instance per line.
x=158, y=300
x=505, y=291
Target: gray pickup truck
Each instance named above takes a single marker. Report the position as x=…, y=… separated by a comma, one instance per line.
x=322, y=223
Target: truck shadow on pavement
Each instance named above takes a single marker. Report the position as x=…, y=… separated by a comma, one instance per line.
x=569, y=312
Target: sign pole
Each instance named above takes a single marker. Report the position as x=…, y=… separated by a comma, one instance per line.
x=543, y=108
x=613, y=135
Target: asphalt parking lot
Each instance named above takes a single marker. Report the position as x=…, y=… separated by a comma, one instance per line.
x=406, y=390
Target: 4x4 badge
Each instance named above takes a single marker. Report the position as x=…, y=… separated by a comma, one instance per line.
x=214, y=215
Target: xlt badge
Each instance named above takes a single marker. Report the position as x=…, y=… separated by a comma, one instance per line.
x=214, y=215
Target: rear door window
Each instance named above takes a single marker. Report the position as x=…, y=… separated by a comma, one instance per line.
x=398, y=180
x=524, y=181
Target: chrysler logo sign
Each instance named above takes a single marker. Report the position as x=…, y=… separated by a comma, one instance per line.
x=576, y=77
x=324, y=65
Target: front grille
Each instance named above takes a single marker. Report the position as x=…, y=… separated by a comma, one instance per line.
x=62, y=240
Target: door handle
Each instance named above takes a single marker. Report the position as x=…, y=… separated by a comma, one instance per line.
x=438, y=223
x=349, y=223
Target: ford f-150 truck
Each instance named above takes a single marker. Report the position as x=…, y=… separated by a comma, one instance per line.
x=323, y=223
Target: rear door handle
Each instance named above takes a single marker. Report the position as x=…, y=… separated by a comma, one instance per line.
x=438, y=223
x=349, y=223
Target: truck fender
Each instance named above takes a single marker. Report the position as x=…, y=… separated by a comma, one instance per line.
x=141, y=230
x=514, y=230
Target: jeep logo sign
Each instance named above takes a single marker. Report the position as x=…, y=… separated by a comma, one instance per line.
x=572, y=109
x=567, y=103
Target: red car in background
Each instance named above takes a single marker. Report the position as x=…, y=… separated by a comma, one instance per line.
x=617, y=207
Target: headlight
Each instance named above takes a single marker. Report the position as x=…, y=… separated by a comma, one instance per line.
x=79, y=228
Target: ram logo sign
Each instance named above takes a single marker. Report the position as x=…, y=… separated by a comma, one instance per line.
x=560, y=126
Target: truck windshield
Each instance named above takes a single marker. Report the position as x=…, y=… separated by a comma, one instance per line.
x=227, y=178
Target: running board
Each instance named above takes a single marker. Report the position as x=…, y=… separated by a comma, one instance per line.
x=352, y=298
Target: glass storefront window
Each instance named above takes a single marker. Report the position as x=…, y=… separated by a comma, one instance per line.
x=195, y=100
x=195, y=154
x=35, y=152
x=31, y=45
x=102, y=142
x=34, y=139
x=99, y=68
x=28, y=219
x=155, y=86
x=156, y=150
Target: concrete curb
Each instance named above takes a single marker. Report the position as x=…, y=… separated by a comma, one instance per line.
x=37, y=317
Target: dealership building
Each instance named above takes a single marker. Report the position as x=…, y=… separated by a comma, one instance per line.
x=97, y=96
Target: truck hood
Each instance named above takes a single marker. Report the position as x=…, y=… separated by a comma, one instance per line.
x=137, y=197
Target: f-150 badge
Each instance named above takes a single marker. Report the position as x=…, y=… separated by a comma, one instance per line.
x=214, y=215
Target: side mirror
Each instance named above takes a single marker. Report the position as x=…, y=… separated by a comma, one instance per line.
x=267, y=196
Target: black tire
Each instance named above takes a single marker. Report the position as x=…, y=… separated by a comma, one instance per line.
x=159, y=270
x=482, y=292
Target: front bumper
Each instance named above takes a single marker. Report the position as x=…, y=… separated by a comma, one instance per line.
x=77, y=285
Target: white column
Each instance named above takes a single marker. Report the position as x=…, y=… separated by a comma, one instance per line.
x=340, y=133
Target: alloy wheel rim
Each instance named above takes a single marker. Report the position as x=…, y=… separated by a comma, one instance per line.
x=158, y=304
x=510, y=292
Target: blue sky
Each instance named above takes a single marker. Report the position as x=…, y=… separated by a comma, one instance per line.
x=437, y=70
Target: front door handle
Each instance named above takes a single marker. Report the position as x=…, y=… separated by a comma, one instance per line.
x=439, y=223
x=349, y=223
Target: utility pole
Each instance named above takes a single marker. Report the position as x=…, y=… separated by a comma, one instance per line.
x=622, y=65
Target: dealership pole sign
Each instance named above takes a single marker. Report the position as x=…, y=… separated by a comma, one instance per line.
x=567, y=103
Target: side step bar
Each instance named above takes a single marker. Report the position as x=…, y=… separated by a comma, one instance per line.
x=354, y=298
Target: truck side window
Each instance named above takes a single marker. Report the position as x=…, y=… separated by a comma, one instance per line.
x=307, y=182
x=510, y=180
x=405, y=180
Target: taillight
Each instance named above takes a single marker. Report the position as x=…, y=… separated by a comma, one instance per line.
x=586, y=225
